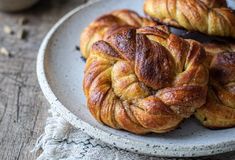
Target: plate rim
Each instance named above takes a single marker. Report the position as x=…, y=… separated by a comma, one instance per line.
x=120, y=141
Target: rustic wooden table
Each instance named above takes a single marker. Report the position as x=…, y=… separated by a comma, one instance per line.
x=23, y=108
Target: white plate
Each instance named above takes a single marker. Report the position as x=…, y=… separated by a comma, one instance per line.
x=60, y=74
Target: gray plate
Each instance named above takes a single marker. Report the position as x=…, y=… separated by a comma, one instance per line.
x=60, y=74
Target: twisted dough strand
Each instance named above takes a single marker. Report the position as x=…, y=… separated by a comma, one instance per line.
x=144, y=80
x=98, y=29
x=206, y=16
x=219, y=111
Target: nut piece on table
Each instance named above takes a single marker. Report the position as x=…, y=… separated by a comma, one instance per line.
x=8, y=30
x=4, y=51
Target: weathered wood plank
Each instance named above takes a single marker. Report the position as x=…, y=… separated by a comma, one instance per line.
x=23, y=109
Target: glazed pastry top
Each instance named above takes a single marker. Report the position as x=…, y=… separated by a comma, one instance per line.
x=211, y=17
x=219, y=110
x=145, y=80
x=98, y=29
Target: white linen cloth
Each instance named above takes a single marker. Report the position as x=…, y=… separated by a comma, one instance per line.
x=61, y=141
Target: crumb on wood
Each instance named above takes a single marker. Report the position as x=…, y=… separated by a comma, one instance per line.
x=5, y=52
x=8, y=30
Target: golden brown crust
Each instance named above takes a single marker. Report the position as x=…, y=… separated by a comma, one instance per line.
x=98, y=29
x=219, y=111
x=215, y=3
x=136, y=80
x=207, y=16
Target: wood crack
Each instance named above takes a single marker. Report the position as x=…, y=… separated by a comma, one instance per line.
x=4, y=111
x=34, y=123
x=18, y=103
x=19, y=153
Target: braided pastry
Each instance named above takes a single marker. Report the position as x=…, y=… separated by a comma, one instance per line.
x=145, y=80
x=98, y=29
x=207, y=16
x=219, y=111
x=215, y=3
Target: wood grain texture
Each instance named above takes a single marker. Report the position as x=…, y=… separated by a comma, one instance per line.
x=23, y=108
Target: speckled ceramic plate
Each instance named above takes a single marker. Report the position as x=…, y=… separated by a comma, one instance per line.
x=60, y=74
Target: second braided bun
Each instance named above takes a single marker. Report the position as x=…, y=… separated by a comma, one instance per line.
x=210, y=17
